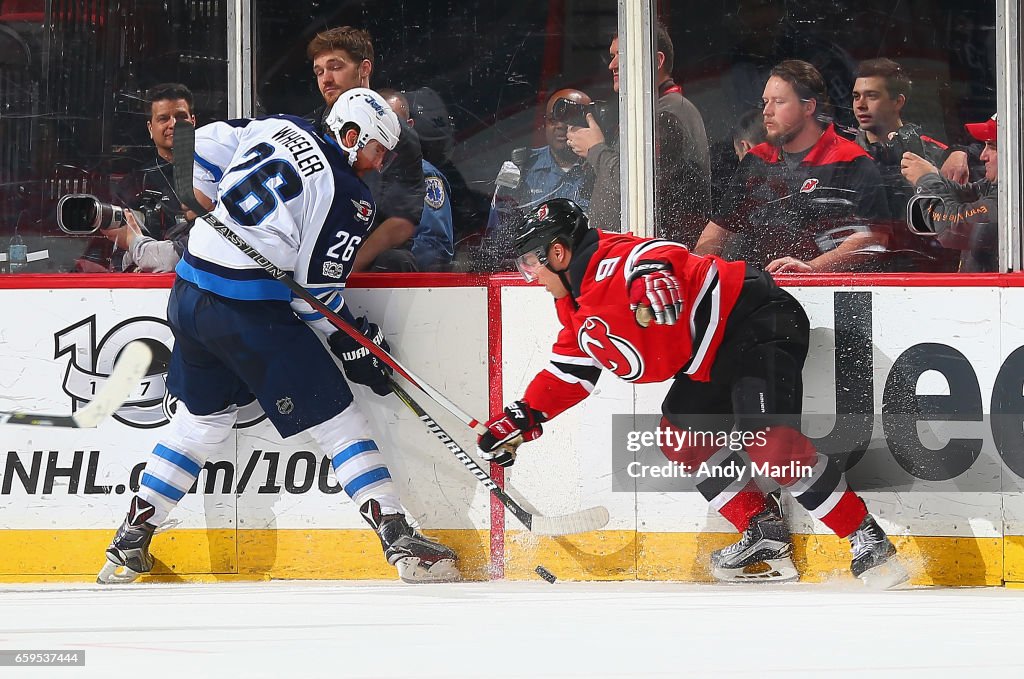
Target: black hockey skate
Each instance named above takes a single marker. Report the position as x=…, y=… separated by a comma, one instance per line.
x=128, y=555
x=763, y=553
x=874, y=557
x=418, y=558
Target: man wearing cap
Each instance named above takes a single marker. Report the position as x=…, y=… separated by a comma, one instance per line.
x=962, y=216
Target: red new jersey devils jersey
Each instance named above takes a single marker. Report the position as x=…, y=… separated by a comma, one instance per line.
x=602, y=332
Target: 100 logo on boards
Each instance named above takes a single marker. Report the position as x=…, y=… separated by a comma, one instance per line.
x=90, y=363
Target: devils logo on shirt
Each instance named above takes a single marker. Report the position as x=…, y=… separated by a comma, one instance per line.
x=809, y=185
x=614, y=353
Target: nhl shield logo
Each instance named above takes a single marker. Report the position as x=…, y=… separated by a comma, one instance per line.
x=285, y=405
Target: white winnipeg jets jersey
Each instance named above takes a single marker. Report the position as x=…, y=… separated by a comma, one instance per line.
x=291, y=195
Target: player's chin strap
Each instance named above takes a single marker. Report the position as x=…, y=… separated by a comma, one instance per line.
x=579, y=257
x=563, y=276
x=352, y=153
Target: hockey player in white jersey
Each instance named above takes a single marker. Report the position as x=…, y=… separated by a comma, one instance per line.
x=297, y=197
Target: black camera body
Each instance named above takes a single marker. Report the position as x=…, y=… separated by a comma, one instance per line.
x=906, y=139
x=574, y=113
x=82, y=214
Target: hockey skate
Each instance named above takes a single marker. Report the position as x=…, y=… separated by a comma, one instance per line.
x=763, y=553
x=128, y=555
x=874, y=557
x=418, y=558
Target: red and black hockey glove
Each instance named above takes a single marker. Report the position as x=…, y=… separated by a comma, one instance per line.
x=360, y=365
x=517, y=423
x=653, y=287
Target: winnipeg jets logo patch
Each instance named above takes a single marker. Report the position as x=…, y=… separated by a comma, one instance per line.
x=364, y=210
x=809, y=185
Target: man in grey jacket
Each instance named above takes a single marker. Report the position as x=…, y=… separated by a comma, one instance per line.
x=962, y=216
x=683, y=167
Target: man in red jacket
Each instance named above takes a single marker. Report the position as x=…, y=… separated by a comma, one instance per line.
x=806, y=200
x=733, y=343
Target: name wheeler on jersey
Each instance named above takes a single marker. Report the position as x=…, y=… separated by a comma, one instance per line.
x=600, y=331
x=290, y=194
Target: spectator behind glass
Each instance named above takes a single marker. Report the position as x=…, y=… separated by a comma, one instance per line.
x=553, y=171
x=962, y=216
x=879, y=95
x=682, y=160
x=433, y=244
x=805, y=200
x=533, y=176
x=342, y=59
x=436, y=131
x=168, y=221
x=748, y=133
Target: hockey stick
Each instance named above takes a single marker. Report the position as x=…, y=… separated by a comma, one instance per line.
x=184, y=152
x=130, y=367
x=566, y=524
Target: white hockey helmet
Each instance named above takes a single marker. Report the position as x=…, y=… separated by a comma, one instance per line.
x=368, y=111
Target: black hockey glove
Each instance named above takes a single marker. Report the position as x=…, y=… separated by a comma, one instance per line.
x=360, y=365
x=517, y=423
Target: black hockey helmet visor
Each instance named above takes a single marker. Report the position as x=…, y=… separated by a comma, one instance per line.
x=559, y=219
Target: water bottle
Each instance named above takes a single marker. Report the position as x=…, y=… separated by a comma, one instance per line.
x=17, y=254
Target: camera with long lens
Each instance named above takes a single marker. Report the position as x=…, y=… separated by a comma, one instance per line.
x=82, y=213
x=574, y=113
x=907, y=138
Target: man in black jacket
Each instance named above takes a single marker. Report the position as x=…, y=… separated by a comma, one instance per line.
x=168, y=221
x=343, y=59
x=879, y=96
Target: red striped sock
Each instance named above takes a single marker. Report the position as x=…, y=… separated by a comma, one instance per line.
x=746, y=504
x=847, y=515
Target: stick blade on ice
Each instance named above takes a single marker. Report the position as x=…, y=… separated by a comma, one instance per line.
x=582, y=521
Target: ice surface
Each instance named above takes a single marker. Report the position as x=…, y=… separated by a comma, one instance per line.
x=515, y=629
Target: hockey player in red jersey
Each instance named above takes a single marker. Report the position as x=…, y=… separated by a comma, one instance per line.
x=733, y=343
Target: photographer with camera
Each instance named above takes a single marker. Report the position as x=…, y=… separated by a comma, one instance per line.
x=682, y=160
x=880, y=92
x=535, y=175
x=155, y=244
x=960, y=216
